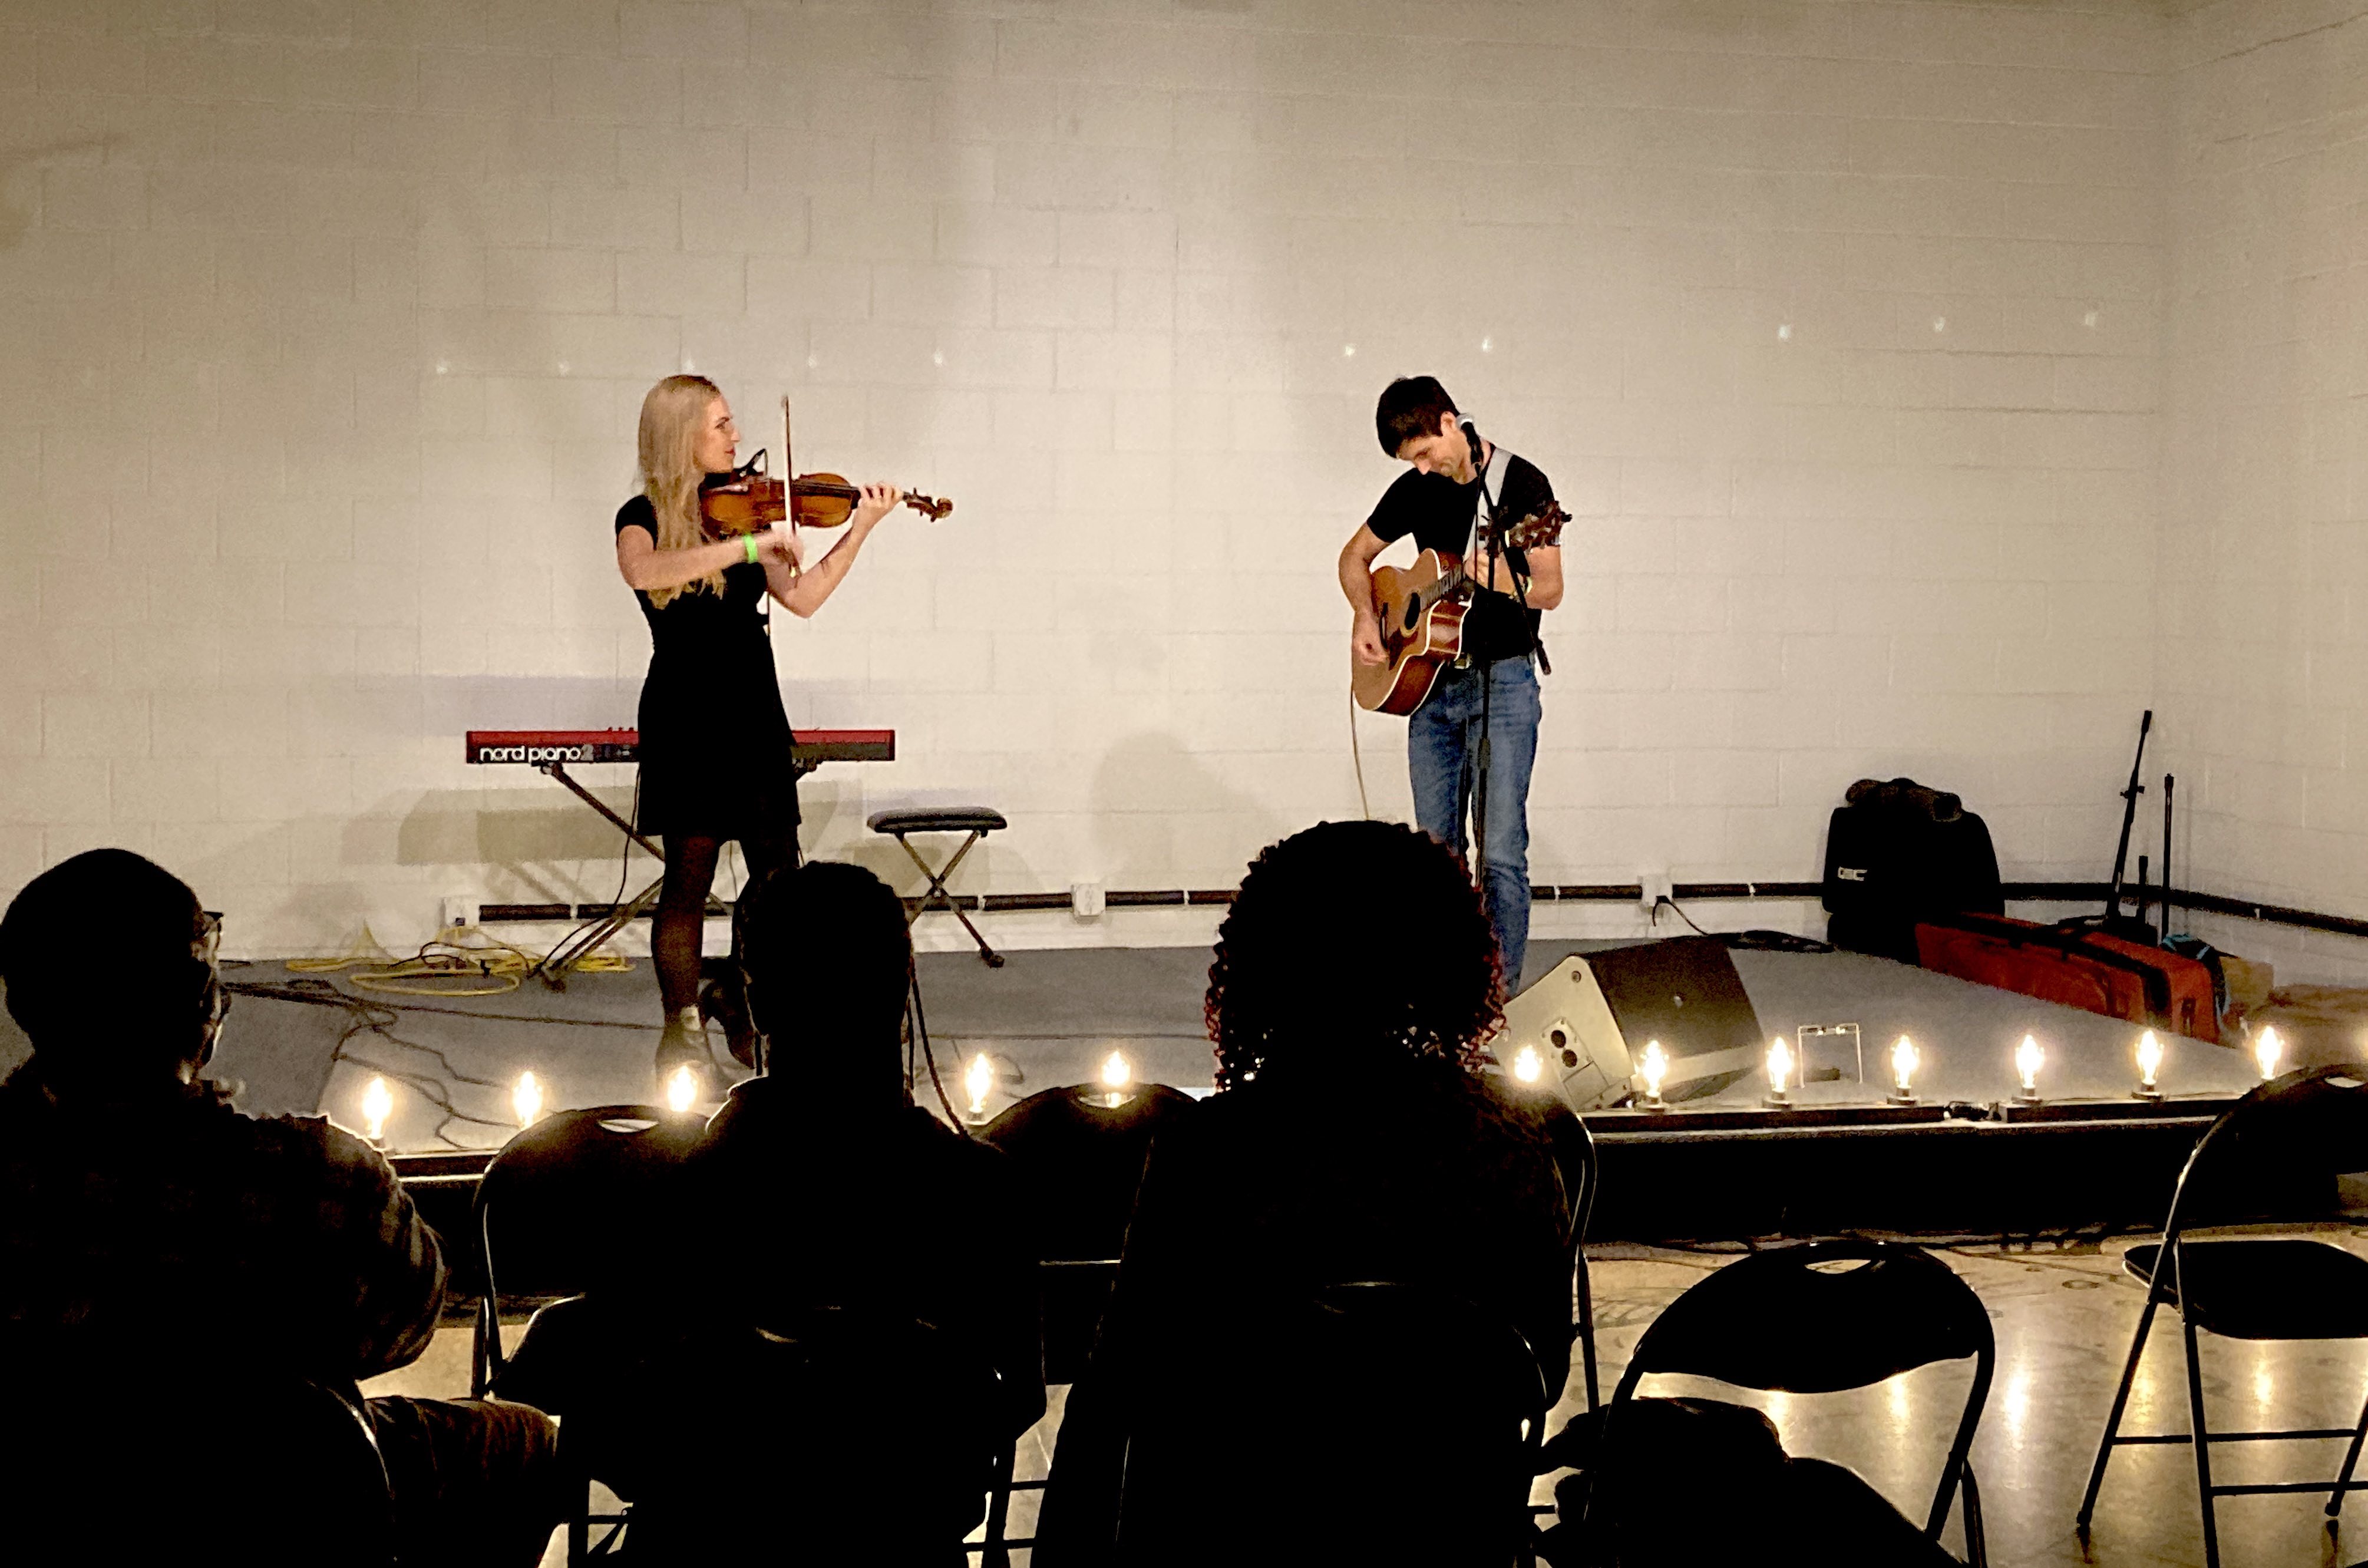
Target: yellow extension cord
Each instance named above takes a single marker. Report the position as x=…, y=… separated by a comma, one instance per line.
x=442, y=968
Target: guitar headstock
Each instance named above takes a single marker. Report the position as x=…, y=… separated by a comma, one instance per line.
x=1539, y=530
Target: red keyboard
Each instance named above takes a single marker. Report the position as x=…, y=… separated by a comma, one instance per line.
x=540, y=747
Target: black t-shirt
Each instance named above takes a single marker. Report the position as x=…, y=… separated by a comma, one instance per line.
x=1438, y=513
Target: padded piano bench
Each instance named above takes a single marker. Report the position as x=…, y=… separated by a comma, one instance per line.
x=975, y=821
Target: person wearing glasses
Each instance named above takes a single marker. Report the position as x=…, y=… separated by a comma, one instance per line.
x=159, y=1247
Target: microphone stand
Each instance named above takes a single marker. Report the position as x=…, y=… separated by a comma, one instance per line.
x=1493, y=552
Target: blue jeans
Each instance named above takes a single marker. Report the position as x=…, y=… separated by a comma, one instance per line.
x=1443, y=760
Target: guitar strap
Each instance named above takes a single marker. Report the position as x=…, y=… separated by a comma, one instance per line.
x=1485, y=511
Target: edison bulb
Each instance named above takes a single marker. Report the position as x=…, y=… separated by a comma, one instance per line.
x=1526, y=1066
x=681, y=1089
x=527, y=1099
x=2149, y=1059
x=978, y=1082
x=378, y=1104
x=2028, y=1057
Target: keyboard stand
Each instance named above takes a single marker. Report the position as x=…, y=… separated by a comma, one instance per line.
x=554, y=970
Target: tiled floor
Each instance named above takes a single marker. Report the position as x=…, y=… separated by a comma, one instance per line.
x=2063, y=1318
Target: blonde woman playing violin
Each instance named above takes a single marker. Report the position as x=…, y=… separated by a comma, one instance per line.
x=715, y=761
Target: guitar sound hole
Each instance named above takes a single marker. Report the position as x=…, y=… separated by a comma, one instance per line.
x=1413, y=616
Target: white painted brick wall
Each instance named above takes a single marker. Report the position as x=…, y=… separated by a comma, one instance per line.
x=2262, y=625
x=1838, y=325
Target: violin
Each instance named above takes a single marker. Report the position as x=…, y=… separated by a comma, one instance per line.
x=749, y=500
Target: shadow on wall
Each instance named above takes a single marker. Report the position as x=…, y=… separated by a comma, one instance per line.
x=1160, y=815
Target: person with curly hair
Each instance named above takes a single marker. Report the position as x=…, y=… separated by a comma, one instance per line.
x=1351, y=1139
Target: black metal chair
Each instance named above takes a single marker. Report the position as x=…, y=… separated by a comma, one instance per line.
x=975, y=821
x=1080, y=1162
x=1573, y=1148
x=556, y=1214
x=125, y=1461
x=875, y=1433
x=1827, y=1316
x=2273, y=1156
x=1373, y=1420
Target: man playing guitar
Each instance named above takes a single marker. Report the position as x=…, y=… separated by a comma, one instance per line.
x=1491, y=691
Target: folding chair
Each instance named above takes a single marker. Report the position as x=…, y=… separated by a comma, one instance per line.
x=1573, y=1150
x=126, y=1460
x=845, y=1436
x=1822, y=1317
x=558, y=1214
x=1373, y=1420
x=976, y=820
x=1080, y=1161
x=2273, y=1155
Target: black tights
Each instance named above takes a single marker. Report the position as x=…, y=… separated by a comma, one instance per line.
x=681, y=919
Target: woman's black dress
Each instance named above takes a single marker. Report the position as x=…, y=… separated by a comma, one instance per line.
x=716, y=740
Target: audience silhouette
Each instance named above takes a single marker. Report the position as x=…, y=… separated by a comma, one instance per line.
x=871, y=1262
x=1352, y=1140
x=158, y=1247
x=828, y=1332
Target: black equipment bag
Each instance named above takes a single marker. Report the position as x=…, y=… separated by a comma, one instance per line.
x=1897, y=853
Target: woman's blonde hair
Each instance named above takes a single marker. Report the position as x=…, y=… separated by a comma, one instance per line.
x=672, y=416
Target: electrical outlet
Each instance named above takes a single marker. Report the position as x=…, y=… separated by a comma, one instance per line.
x=1086, y=900
x=1652, y=886
x=460, y=909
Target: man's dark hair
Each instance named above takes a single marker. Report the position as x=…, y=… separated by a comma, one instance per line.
x=1348, y=942
x=1410, y=406
x=828, y=957
x=102, y=948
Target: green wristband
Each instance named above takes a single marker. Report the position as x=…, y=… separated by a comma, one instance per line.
x=749, y=541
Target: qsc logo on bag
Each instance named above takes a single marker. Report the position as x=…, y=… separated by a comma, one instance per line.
x=1850, y=873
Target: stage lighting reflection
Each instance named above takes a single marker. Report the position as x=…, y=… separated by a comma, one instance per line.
x=527, y=1099
x=2014, y=1402
x=378, y=1104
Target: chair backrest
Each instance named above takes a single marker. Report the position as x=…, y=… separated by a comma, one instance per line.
x=1574, y=1152
x=860, y=1437
x=1824, y=1316
x=142, y=1465
x=1370, y=1419
x=2275, y=1153
x=559, y=1210
x=1080, y=1161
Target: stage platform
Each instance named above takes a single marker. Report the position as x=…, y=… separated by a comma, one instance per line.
x=1960, y=1163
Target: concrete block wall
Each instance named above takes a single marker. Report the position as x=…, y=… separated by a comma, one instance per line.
x=1838, y=325
x=2263, y=622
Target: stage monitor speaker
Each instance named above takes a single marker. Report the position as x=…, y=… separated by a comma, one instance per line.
x=1591, y=1015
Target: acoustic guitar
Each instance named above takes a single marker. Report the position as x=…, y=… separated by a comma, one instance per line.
x=1421, y=610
